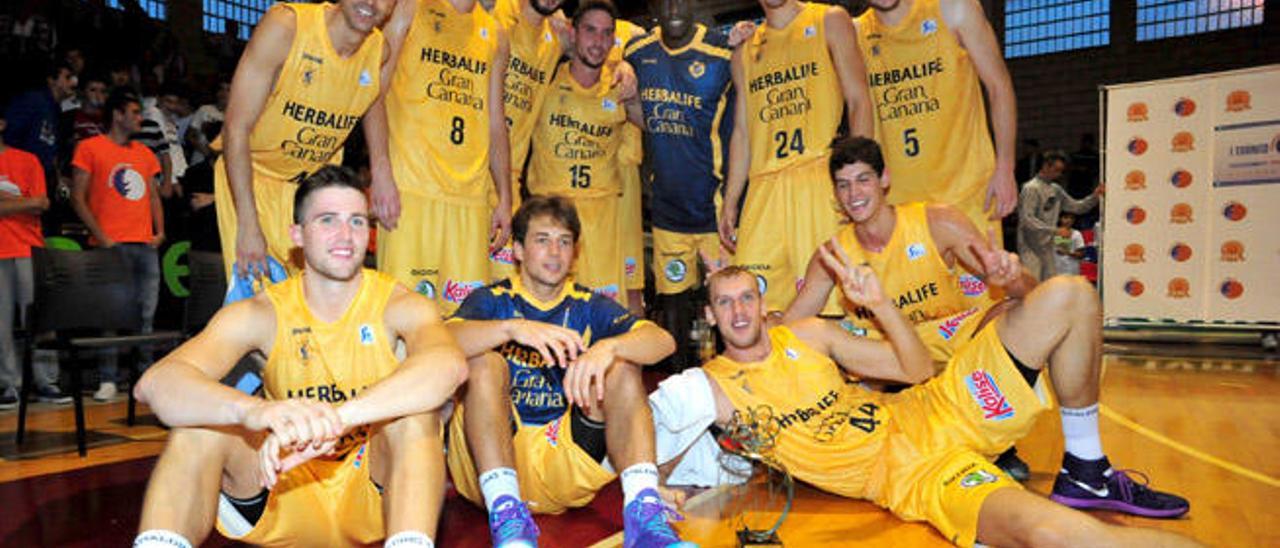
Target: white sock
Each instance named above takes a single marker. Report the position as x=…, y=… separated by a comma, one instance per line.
x=637, y=478
x=1080, y=432
x=160, y=538
x=498, y=482
x=405, y=539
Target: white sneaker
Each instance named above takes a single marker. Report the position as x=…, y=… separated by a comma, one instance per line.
x=106, y=392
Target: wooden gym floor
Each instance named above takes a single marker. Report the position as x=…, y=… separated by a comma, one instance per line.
x=1200, y=421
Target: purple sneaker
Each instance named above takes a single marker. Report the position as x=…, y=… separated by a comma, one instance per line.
x=645, y=523
x=1118, y=492
x=511, y=525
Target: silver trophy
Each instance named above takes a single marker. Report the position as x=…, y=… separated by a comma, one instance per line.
x=752, y=435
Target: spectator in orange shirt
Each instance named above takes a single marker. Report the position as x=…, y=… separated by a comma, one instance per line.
x=22, y=200
x=114, y=191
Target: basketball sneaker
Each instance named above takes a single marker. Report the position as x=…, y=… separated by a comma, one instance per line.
x=1088, y=485
x=511, y=525
x=645, y=523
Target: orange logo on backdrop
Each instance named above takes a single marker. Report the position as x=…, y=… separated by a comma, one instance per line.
x=1238, y=101
x=1179, y=288
x=1183, y=141
x=1135, y=180
x=1232, y=251
x=1180, y=214
x=1135, y=253
x=1137, y=112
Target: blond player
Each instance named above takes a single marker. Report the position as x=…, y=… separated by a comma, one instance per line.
x=922, y=454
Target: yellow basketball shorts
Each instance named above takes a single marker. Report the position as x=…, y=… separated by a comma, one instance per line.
x=440, y=249
x=321, y=503
x=949, y=428
x=631, y=227
x=273, y=198
x=786, y=216
x=599, y=261
x=555, y=474
x=675, y=259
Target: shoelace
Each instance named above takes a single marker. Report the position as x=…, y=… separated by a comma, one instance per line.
x=1128, y=487
x=513, y=520
x=654, y=516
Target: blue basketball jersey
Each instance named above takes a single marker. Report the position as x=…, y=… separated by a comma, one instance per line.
x=688, y=120
x=537, y=388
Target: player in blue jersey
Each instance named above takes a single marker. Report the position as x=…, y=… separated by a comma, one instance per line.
x=567, y=361
x=683, y=76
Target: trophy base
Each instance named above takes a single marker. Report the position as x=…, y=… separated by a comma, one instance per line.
x=747, y=537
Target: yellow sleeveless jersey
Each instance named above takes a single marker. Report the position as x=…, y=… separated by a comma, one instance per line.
x=576, y=139
x=830, y=434
x=535, y=50
x=330, y=362
x=914, y=274
x=930, y=117
x=794, y=102
x=631, y=151
x=438, y=105
x=318, y=98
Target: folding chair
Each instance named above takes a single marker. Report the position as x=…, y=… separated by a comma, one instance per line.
x=79, y=295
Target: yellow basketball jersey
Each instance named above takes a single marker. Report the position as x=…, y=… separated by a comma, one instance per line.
x=930, y=117
x=439, y=104
x=829, y=432
x=913, y=273
x=318, y=98
x=576, y=139
x=534, y=53
x=330, y=362
x=794, y=102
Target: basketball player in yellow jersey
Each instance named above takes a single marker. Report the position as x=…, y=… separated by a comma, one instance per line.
x=576, y=142
x=309, y=73
x=932, y=259
x=447, y=137
x=343, y=418
x=921, y=453
x=925, y=61
x=795, y=77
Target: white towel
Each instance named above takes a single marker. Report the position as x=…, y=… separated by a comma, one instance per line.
x=683, y=408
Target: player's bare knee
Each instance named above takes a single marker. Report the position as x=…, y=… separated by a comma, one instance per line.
x=488, y=371
x=624, y=377
x=407, y=429
x=1048, y=534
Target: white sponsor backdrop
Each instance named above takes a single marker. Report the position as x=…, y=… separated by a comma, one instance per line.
x=1192, y=214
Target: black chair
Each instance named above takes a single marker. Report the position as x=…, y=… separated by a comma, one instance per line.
x=87, y=301
x=207, y=280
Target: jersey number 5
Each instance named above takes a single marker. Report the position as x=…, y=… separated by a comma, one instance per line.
x=910, y=141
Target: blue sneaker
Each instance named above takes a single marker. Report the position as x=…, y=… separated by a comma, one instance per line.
x=511, y=525
x=645, y=523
